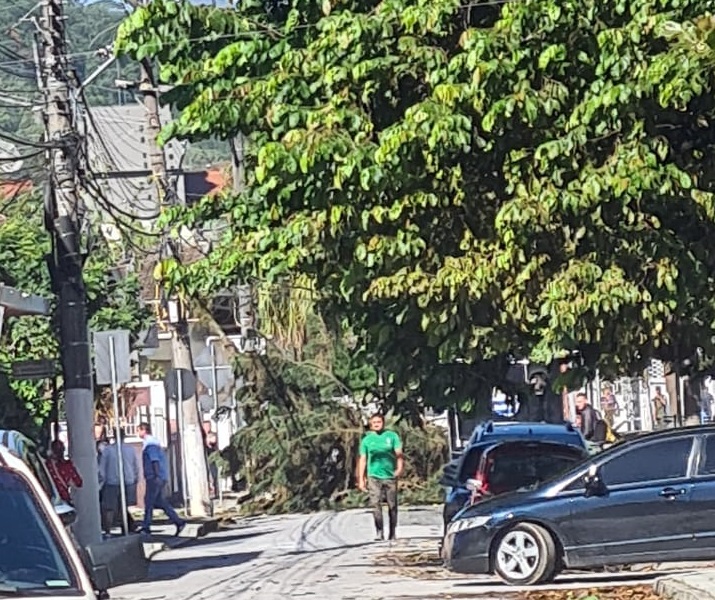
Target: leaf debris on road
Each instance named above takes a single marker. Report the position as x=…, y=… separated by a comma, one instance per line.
x=637, y=592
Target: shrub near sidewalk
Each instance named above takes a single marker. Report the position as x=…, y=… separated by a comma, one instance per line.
x=304, y=459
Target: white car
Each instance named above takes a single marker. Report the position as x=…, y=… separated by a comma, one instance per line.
x=37, y=557
x=24, y=448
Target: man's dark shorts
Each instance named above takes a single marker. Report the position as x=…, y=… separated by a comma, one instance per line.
x=382, y=490
x=111, y=497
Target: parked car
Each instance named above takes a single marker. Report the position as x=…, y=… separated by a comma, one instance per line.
x=37, y=557
x=456, y=473
x=649, y=499
x=24, y=448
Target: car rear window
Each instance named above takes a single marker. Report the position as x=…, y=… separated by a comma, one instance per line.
x=31, y=557
x=518, y=467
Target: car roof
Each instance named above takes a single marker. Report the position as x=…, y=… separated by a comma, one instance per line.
x=527, y=428
x=16, y=441
x=10, y=459
x=552, y=444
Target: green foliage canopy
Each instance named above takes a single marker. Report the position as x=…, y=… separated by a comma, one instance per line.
x=113, y=302
x=460, y=179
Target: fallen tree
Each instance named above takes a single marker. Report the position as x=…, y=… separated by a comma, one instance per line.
x=303, y=457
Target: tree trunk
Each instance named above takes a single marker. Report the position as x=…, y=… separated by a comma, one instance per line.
x=548, y=408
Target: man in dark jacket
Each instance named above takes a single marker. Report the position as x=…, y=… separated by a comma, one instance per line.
x=589, y=416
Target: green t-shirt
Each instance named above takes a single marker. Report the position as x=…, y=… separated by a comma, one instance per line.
x=380, y=449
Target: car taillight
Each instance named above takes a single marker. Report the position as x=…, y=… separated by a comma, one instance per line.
x=482, y=483
x=481, y=487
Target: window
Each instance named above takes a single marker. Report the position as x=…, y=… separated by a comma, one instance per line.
x=651, y=462
x=470, y=463
x=527, y=466
x=30, y=556
x=708, y=464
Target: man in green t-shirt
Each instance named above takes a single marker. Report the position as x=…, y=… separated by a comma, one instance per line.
x=381, y=455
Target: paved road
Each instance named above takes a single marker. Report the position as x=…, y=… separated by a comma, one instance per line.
x=325, y=556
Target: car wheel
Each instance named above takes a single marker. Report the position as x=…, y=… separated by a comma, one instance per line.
x=525, y=555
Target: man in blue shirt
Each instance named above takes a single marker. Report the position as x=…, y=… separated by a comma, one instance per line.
x=156, y=475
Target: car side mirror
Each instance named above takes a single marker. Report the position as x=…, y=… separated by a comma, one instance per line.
x=593, y=483
x=116, y=562
x=101, y=579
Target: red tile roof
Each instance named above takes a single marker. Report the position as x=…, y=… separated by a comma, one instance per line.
x=8, y=189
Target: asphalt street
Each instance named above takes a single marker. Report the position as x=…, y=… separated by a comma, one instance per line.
x=326, y=556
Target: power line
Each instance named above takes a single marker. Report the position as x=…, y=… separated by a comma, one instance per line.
x=10, y=159
x=32, y=62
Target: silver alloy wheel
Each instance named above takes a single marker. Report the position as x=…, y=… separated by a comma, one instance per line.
x=518, y=554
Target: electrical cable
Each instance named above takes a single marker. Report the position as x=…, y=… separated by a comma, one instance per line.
x=113, y=208
x=16, y=140
x=9, y=159
x=97, y=194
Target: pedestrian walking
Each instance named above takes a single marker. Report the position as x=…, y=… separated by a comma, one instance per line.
x=212, y=453
x=109, y=483
x=156, y=476
x=63, y=472
x=382, y=459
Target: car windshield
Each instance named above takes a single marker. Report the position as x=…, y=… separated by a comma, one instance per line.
x=31, y=560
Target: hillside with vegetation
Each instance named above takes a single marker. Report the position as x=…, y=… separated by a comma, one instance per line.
x=91, y=28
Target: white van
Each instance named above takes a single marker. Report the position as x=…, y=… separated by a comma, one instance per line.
x=37, y=557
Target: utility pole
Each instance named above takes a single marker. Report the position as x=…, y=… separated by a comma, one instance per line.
x=197, y=483
x=63, y=221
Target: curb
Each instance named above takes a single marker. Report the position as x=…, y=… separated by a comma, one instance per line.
x=684, y=588
x=191, y=532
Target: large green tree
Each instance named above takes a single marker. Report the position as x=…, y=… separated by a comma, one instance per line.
x=461, y=179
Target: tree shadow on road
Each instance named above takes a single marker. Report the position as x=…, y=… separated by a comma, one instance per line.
x=165, y=570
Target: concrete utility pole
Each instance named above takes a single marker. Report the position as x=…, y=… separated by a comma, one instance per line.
x=197, y=482
x=63, y=222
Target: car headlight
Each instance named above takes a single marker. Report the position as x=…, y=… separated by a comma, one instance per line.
x=469, y=523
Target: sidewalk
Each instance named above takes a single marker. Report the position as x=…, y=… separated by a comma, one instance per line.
x=162, y=536
x=698, y=585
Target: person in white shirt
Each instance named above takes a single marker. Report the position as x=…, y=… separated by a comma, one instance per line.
x=111, y=503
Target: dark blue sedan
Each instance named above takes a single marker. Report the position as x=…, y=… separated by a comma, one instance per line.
x=651, y=499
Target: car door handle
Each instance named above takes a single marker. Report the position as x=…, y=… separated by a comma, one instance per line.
x=672, y=493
